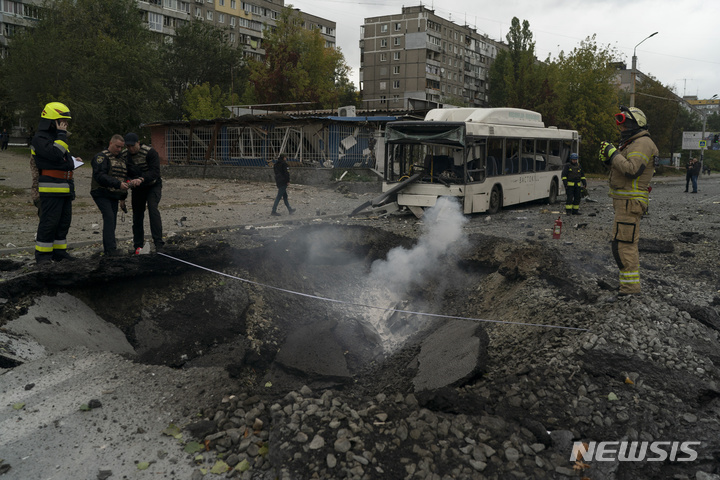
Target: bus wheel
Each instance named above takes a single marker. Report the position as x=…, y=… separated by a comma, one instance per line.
x=495, y=200
x=553, y=192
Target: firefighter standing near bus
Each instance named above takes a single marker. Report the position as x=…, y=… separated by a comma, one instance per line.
x=573, y=179
x=56, y=188
x=632, y=166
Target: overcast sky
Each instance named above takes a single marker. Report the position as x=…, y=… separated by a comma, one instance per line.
x=685, y=53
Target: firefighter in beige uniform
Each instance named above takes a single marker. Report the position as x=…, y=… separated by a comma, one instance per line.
x=631, y=168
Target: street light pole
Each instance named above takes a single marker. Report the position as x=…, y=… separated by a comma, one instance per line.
x=702, y=149
x=634, y=70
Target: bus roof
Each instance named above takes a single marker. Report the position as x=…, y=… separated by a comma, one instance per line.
x=495, y=116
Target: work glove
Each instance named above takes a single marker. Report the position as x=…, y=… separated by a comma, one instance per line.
x=607, y=152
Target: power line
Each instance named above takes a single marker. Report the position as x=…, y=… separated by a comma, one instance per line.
x=385, y=309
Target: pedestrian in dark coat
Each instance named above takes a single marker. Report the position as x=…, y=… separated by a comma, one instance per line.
x=282, y=180
x=695, y=173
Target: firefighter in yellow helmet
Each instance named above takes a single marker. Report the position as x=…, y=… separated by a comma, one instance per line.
x=51, y=154
x=632, y=166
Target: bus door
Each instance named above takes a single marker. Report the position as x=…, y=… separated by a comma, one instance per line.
x=511, y=170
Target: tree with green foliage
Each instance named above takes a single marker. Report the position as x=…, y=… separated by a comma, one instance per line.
x=514, y=79
x=713, y=122
x=298, y=67
x=206, y=102
x=663, y=112
x=200, y=53
x=586, y=78
x=575, y=91
x=97, y=58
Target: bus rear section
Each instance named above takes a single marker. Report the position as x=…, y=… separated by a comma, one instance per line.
x=490, y=159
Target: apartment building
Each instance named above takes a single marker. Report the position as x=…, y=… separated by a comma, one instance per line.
x=245, y=20
x=417, y=58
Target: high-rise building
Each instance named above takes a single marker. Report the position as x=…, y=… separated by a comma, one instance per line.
x=245, y=20
x=417, y=59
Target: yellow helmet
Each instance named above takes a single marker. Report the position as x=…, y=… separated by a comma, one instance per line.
x=55, y=110
x=632, y=113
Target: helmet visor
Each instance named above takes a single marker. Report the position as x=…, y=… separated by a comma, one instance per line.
x=620, y=118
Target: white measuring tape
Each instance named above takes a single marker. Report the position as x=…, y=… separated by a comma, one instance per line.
x=332, y=300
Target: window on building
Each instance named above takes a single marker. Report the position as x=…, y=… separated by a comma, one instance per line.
x=232, y=21
x=221, y=3
x=383, y=57
x=396, y=98
x=396, y=55
x=198, y=13
x=383, y=43
x=232, y=38
x=155, y=22
x=31, y=11
x=9, y=30
x=13, y=7
x=209, y=14
x=383, y=99
x=233, y=4
x=221, y=18
x=398, y=26
x=383, y=85
x=396, y=70
x=396, y=84
x=383, y=28
x=396, y=41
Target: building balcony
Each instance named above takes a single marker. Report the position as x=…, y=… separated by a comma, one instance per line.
x=433, y=47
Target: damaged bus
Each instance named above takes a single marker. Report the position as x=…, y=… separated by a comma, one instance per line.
x=488, y=157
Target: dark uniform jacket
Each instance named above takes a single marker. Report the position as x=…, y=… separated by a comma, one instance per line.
x=109, y=171
x=145, y=164
x=573, y=175
x=55, y=165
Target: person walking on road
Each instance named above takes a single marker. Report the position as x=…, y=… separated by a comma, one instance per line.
x=56, y=188
x=109, y=187
x=573, y=178
x=143, y=164
x=632, y=166
x=282, y=180
x=694, y=174
x=5, y=138
x=688, y=174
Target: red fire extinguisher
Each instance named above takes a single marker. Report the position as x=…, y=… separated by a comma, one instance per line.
x=557, y=229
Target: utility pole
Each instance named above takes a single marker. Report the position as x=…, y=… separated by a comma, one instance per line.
x=702, y=149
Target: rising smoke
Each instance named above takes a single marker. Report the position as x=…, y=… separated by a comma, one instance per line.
x=429, y=262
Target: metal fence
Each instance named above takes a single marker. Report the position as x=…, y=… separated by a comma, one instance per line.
x=321, y=144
